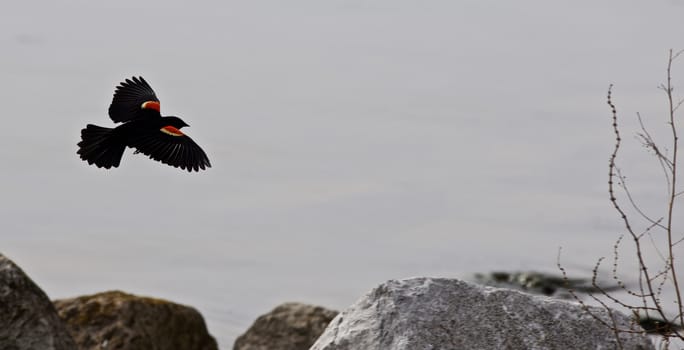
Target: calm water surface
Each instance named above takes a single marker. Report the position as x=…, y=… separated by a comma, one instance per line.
x=352, y=142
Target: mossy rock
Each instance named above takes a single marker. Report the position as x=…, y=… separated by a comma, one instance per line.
x=539, y=282
x=117, y=320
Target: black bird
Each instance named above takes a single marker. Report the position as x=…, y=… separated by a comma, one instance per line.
x=137, y=107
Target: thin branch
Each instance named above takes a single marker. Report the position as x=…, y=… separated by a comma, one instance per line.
x=671, y=204
x=616, y=205
x=588, y=310
x=679, y=104
x=623, y=185
x=652, y=283
x=653, y=243
x=605, y=293
x=678, y=241
x=648, y=140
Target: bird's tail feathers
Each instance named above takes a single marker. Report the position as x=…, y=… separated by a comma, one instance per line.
x=100, y=146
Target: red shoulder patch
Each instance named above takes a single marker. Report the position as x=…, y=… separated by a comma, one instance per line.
x=170, y=130
x=151, y=105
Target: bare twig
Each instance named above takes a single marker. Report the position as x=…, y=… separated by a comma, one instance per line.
x=654, y=283
x=625, y=188
x=649, y=142
x=673, y=196
x=611, y=191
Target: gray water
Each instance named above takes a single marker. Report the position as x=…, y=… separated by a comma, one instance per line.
x=351, y=142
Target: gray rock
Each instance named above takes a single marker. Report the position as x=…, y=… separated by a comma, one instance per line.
x=290, y=326
x=442, y=314
x=117, y=320
x=28, y=320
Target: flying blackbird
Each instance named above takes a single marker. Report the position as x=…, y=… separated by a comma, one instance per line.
x=137, y=107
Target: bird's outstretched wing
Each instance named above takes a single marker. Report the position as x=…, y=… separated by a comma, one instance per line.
x=170, y=146
x=134, y=99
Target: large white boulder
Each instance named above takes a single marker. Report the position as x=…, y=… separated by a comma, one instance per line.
x=442, y=314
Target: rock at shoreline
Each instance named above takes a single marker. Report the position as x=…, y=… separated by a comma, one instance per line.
x=116, y=320
x=28, y=320
x=427, y=313
x=290, y=326
x=548, y=284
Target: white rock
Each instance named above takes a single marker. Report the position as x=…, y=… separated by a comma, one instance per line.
x=442, y=314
